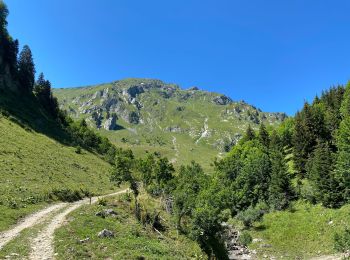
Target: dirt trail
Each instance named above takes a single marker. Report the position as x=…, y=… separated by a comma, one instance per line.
x=28, y=222
x=42, y=245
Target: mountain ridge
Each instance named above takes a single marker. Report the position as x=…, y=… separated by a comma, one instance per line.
x=137, y=112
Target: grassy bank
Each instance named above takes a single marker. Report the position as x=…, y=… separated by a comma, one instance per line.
x=305, y=232
x=132, y=240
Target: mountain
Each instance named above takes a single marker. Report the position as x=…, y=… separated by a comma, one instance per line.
x=148, y=114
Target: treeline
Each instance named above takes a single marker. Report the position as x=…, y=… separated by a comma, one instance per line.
x=17, y=74
x=321, y=148
x=307, y=157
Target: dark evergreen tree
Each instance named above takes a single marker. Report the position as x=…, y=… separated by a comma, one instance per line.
x=280, y=188
x=263, y=136
x=249, y=135
x=26, y=69
x=320, y=172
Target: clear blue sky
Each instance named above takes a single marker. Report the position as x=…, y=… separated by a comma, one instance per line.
x=273, y=54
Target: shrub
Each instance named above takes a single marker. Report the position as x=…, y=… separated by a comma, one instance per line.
x=78, y=150
x=245, y=238
x=102, y=202
x=12, y=203
x=342, y=241
x=66, y=194
x=249, y=216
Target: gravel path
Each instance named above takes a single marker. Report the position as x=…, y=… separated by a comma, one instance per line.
x=28, y=222
x=42, y=245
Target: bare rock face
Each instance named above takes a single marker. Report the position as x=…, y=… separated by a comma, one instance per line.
x=111, y=123
x=222, y=100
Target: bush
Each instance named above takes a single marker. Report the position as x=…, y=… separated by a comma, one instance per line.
x=342, y=241
x=245, y=238
x=249, y=216
x=66, y=194
x=102, y=202
x=78, y=150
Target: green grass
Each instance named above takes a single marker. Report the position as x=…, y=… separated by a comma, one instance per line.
x=158, y=113
x=302, y=234
x=20, y=247
x=132, y=240
x=32, y=164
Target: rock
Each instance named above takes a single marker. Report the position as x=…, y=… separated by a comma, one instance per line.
x=330, y=222
x=110, y=123
x=82, y=241
x=174, y=129
x=193, y=89
x=106, y=234
x=257, y=240
x=222, y=100
x=134, y=91
x=106, y=212
x=133, y=118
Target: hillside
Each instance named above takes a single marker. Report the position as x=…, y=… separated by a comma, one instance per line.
x=33, y=165
x=152, y=115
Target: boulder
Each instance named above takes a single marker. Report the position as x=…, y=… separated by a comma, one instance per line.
x=106, y=212
x=106, y=234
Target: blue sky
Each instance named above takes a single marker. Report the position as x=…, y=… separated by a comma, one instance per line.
x=273, y=54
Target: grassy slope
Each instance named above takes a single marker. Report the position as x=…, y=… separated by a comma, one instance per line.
x=306, y=232
x=32, y=164
x=131, y=240
x=159, y=113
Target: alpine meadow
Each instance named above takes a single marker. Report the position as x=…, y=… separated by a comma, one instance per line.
x=140, y=168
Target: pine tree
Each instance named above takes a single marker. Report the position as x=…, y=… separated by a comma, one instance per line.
x=280, y=188
x=264, y=138
x=343, y=157
x=249, y=135
x=342, y=170
x=321, y=174
x=345, y=106
x=26, y=69
x=42, y=89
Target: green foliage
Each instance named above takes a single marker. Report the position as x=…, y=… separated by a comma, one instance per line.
x=245, y=238
x=66, y=194
x=280, y=188
x=321, y=174
x=102, y=202
x=133, y=239
x=26, y=69
x=342, y=241
x=342, y=170
x=263, y=136
x=250, y=215
x=42, y=90
x=252, y=183
x=122, y=169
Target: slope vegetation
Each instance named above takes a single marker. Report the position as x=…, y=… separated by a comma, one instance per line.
x=32, y=165
x=147, y=114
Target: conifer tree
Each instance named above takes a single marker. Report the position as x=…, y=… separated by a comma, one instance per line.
x=321, y=174
x=26, y=69
x=264, y=136
x=343, y=145
x=249, y=135
x=280, y=188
